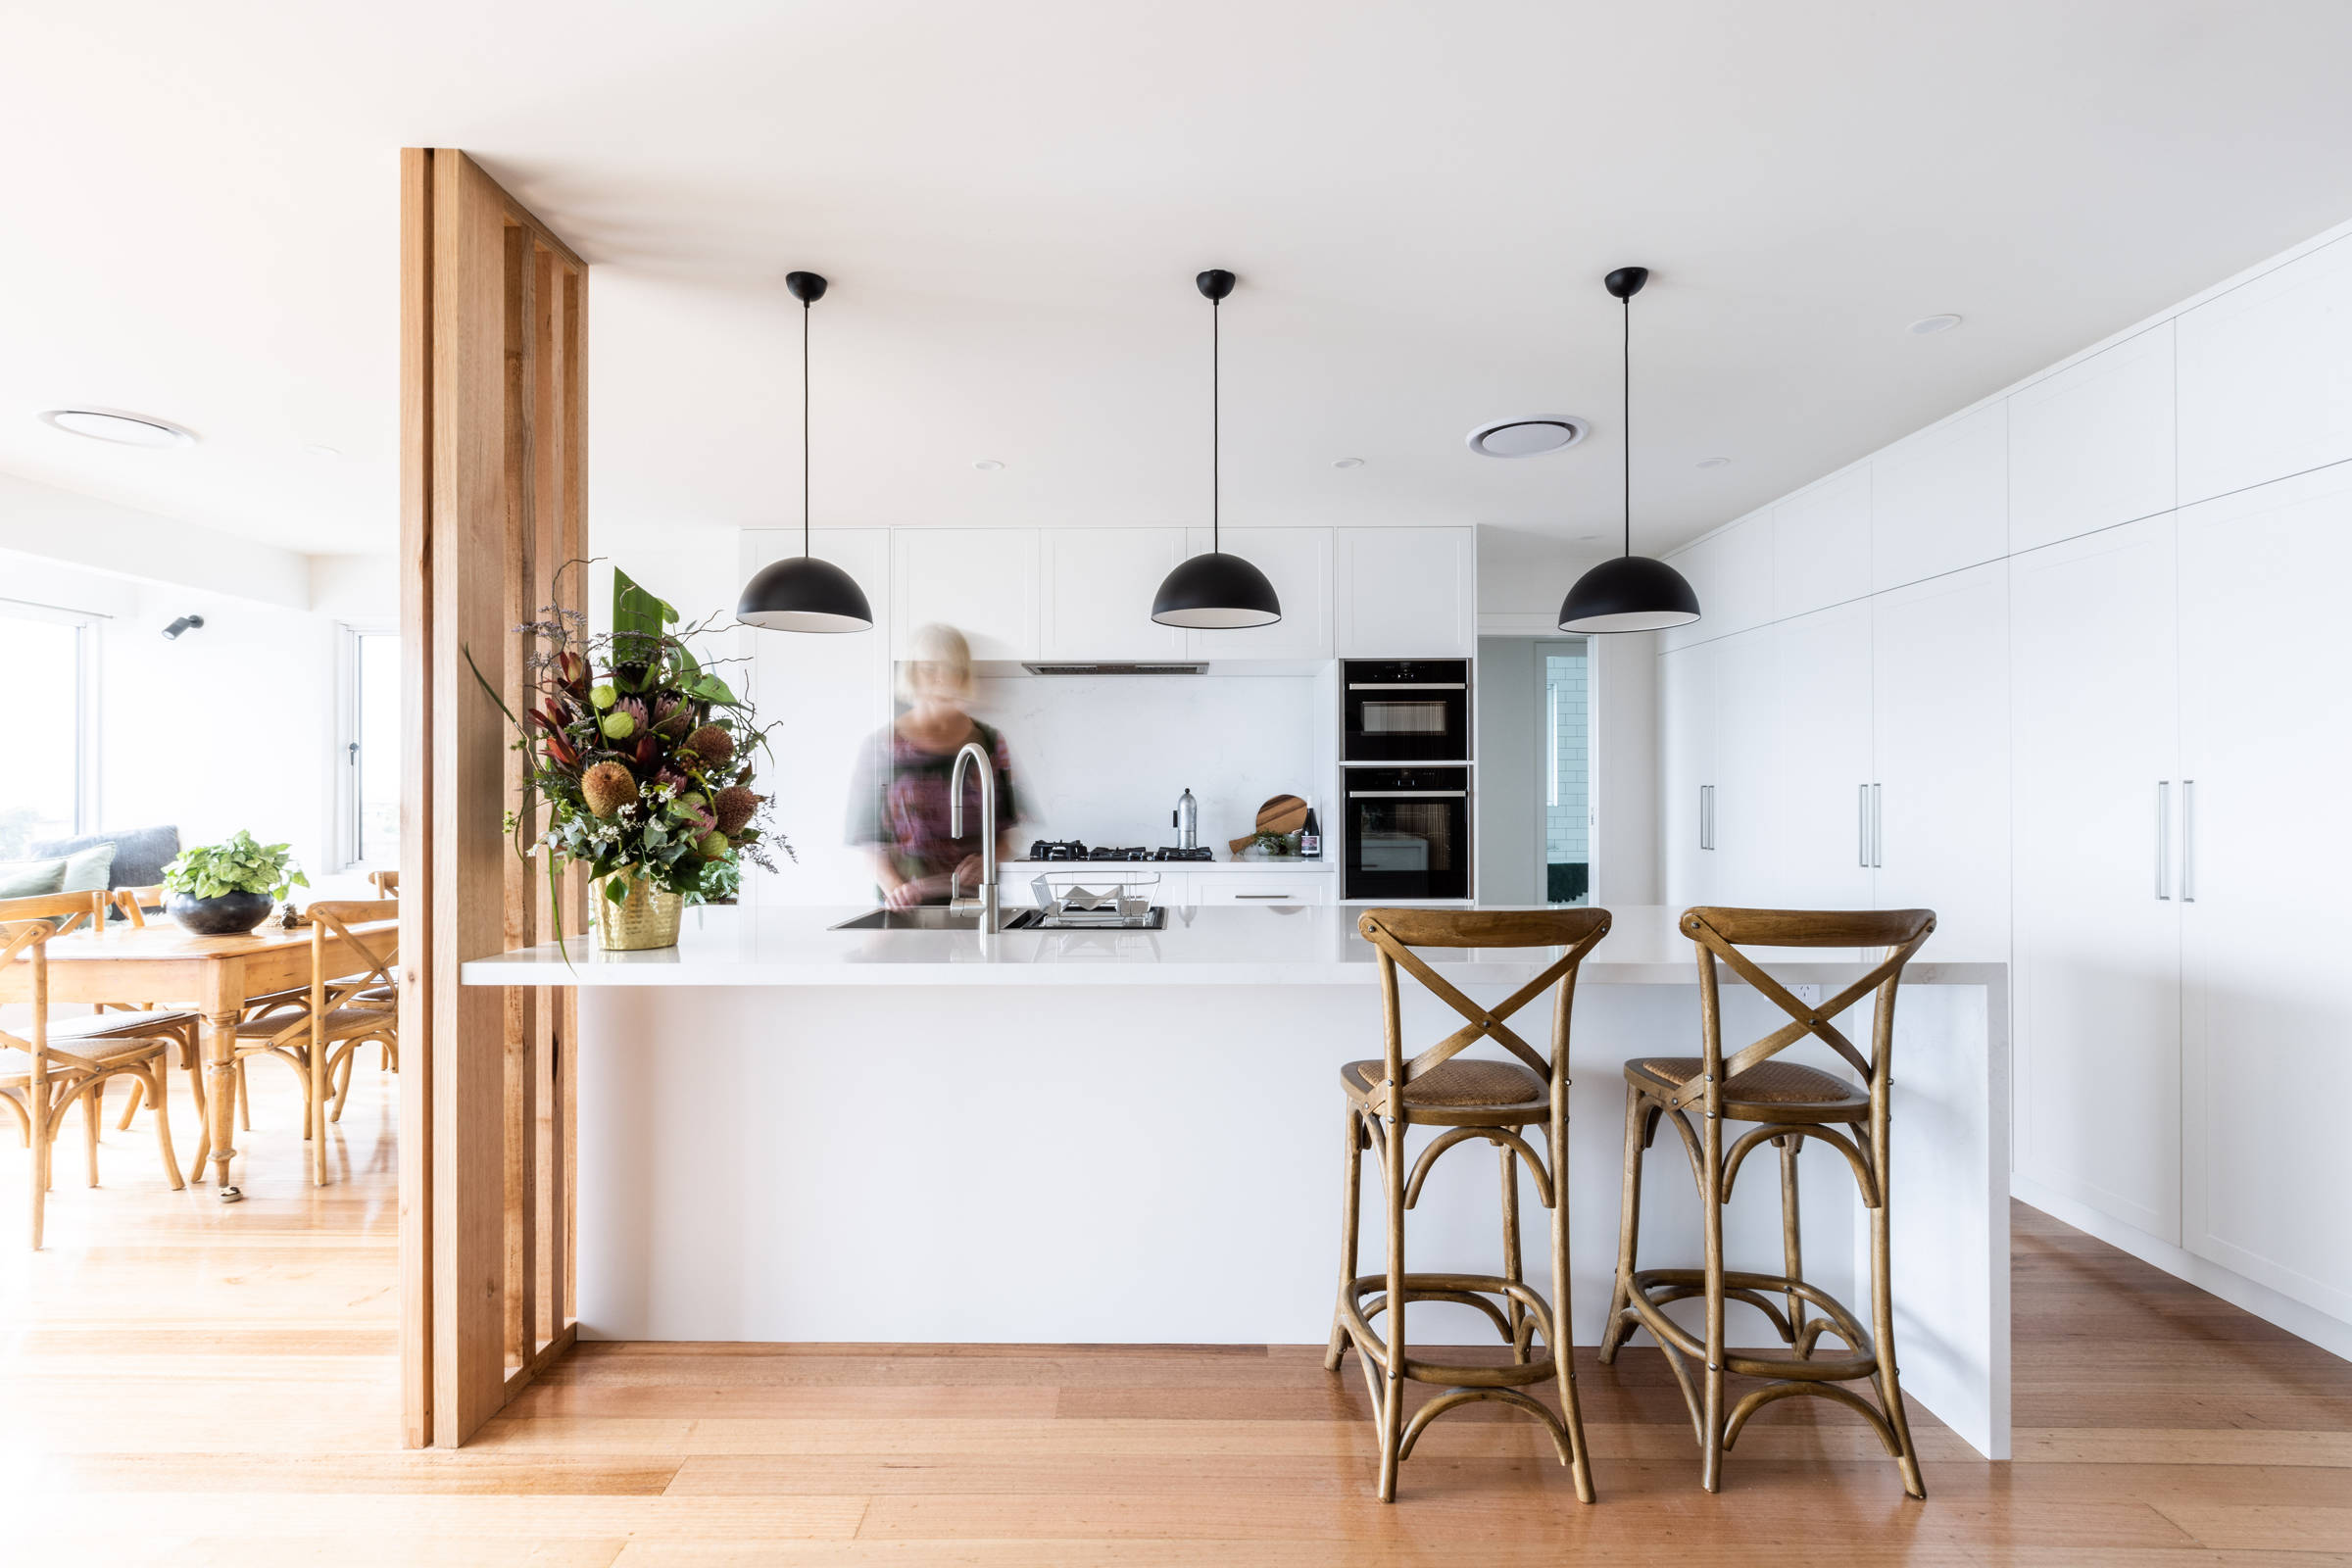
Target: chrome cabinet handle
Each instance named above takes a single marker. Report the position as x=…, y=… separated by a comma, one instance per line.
x=1862, y=817
x=2163, y=837
x=1291, y=897
x=1878, y=825
x=2188, y=841
x=1406, y=794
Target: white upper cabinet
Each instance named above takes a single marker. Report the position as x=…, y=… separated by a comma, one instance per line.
x=1298, y=562
x=1097, y=587
x=1821, y=545
x=982, y=581
x=2266, y=376
x=2093, y=446
x=1686, y=771
x=1731, y=572
x=1406, y=592
x=1939, y=500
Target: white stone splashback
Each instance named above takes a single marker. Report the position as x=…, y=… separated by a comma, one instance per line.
x=1103, y=758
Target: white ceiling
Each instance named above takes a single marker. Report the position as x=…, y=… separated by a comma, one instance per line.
x=1011, y=200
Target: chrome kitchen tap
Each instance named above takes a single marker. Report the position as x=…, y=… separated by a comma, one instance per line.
x=973, y=753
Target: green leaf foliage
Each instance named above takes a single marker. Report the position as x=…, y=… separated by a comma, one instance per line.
x=237, y=864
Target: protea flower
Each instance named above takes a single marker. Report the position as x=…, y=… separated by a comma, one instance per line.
x=735, y=807
x=647, y=750
x=714, y=746
x=608, y=787
x=673, y=717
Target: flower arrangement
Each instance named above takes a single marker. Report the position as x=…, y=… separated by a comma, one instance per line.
x=236, y=865
x=641, y=757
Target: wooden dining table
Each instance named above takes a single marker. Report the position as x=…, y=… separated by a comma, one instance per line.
x=169, y=967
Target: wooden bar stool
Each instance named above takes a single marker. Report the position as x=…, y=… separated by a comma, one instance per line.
x=1468, y=1099
x=1789, y=1102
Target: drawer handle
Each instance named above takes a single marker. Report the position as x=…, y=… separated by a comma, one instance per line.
x=1265, y=896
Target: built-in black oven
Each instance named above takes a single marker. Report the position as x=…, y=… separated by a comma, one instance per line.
x=1409, y=832
x=1405, y=711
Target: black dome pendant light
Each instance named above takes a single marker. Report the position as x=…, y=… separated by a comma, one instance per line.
x=802, y=593
x=1632, y=593
x=1216, y=592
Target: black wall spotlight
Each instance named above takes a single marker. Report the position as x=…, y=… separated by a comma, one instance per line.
x=184, y=623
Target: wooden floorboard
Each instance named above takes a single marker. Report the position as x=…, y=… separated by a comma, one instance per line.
x=191, y=1383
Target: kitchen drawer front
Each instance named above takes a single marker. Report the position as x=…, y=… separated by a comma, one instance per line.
x=1263, y=887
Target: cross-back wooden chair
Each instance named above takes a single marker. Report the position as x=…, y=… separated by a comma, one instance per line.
x=385, y=883
x=45, y=1072
x=341, y=1011
x=1787, y=1102
x=1467, y=1098
x=131, y=905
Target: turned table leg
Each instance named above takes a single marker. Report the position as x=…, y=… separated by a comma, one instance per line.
x=221, y=1055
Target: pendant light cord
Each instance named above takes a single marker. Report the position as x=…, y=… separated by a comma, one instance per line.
x=805, y=550
x=1217, y=426
x=1625, y=419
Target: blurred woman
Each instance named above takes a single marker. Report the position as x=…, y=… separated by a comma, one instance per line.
x=899, y=802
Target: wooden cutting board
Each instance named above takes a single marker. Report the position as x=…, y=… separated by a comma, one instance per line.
x=1284, y=813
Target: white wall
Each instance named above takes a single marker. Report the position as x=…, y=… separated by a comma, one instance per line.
x=1103, y=758
x=231, y=726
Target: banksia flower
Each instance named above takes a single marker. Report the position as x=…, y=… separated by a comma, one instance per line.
x=735, y=807
x=608, y=787
x=714, y=746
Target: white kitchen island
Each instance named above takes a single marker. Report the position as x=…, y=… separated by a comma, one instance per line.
x=792, y=1133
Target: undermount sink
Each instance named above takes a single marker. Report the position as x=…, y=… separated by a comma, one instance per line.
x=916, y=917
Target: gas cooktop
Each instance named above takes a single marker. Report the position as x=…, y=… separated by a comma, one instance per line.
x=1073, y=850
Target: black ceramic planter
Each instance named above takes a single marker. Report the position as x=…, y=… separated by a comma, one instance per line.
x=230, y=915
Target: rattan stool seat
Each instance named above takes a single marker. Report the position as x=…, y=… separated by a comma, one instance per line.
x=1770, y=1082
x=1464, y=1082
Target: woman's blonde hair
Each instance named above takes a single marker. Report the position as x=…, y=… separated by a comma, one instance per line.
x=938, y=666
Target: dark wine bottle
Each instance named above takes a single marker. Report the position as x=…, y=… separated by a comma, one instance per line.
x=1311, y=838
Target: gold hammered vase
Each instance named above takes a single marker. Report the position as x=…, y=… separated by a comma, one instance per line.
x=647, y=918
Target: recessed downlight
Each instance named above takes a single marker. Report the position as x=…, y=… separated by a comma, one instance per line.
x=1714, y=462
x=1348, y=462
x=988, y=464
x=1528, y=438
x=1930, y=325
x=122, y=429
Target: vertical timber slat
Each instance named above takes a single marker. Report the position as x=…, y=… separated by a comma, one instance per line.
x=416, y=796
x=493, y=308
x=520, y=901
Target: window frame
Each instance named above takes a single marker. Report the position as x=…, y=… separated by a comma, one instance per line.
x=86, y=691
x=348, y=636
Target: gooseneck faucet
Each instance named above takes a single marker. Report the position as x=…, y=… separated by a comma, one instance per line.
x=973, y=753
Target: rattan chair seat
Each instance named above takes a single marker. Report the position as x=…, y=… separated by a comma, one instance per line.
x=1768, y=1083
x=15, y=1066
x=1462, y=1081
x=118, y=1025
x=343, y=1023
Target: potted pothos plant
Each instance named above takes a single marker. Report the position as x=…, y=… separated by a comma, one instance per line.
x=642, y=761
x=227, y=889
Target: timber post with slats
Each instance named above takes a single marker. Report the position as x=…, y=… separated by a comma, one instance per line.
x=493, y=468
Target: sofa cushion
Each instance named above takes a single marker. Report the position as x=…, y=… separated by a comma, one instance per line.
x=86, y=871
x=140, y=853
x=32, y=879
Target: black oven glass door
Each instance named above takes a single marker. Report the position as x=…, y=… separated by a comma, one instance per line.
x=1411, y=843
x=1407, y=714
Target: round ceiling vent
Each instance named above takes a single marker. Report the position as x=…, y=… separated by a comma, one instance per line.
x=124, y=429
x=1528, y=438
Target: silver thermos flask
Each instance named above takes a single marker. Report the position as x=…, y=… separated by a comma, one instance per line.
x=1187, y=820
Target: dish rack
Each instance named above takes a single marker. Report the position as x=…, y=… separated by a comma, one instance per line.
x=1096, y=897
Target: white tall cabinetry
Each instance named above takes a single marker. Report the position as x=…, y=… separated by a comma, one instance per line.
x=2097, y=953
x=2107, y=733
x=2267, y=1024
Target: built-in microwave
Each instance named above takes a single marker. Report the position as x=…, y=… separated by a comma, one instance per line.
x=1405, y=711
x=1408, y=833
